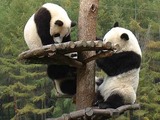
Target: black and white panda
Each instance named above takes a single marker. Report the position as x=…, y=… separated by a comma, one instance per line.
x=122, y=68
x=50, y=25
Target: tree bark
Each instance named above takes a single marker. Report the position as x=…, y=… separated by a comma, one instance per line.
x=86, y=75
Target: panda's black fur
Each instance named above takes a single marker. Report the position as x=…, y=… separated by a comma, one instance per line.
x=113, y=67
x=117, y=67
x=67, y=75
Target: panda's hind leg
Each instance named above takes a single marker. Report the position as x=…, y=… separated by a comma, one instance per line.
x=68, y=86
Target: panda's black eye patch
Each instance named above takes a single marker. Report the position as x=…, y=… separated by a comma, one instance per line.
x=59, y=23
x=124, y=36
x=57, y=35
x=100, y=81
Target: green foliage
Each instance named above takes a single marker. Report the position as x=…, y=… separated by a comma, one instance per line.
x=28, y=108
x=20, y=82
x=26, y=92
x=39, y=98
x=149, y=91
x=8, y=105
x=63, y=106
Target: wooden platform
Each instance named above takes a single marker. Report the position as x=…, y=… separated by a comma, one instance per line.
x=57, y=53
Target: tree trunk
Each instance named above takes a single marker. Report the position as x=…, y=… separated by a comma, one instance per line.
x=86, y=75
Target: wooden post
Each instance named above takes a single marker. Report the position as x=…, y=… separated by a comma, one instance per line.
x=86, y=31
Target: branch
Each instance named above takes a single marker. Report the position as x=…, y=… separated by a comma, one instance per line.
x=55, y=59
x=97, y=114
x=100, y=55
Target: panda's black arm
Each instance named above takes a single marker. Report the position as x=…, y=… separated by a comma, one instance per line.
x=119, y=63
x=67, y=38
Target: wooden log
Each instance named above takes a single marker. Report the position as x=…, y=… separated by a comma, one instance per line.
x=99, y=43
x=90, y=43
x=28, y=54
x=97, y=114
x=64, y=48
x=97, y=56
x=69, y=61
x=81, y=43
x=103, y=54
x=54, y=59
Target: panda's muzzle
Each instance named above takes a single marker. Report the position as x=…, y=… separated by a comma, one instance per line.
x=57, y=38
x=57, y=35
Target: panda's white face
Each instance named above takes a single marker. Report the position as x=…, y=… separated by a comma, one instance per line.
x=63, y=27
x=124, y=38
x=58, y=32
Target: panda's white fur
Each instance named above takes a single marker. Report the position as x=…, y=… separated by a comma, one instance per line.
x=58, y=90
x=31, y=35
x=125, y=84
x=122, y=76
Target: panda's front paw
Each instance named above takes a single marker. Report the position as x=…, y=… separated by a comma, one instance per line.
x=97, y=102
x=103, y=105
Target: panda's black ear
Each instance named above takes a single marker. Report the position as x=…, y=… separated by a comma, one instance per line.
x=125, y=36
x=59, y=23
x=116, y=24
x=73, y=24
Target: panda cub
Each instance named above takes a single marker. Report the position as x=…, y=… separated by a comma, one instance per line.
x=122, y=70
x=50, y=25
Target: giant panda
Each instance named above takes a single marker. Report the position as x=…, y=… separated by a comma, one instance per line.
x=51, y=25
x=122, y=70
